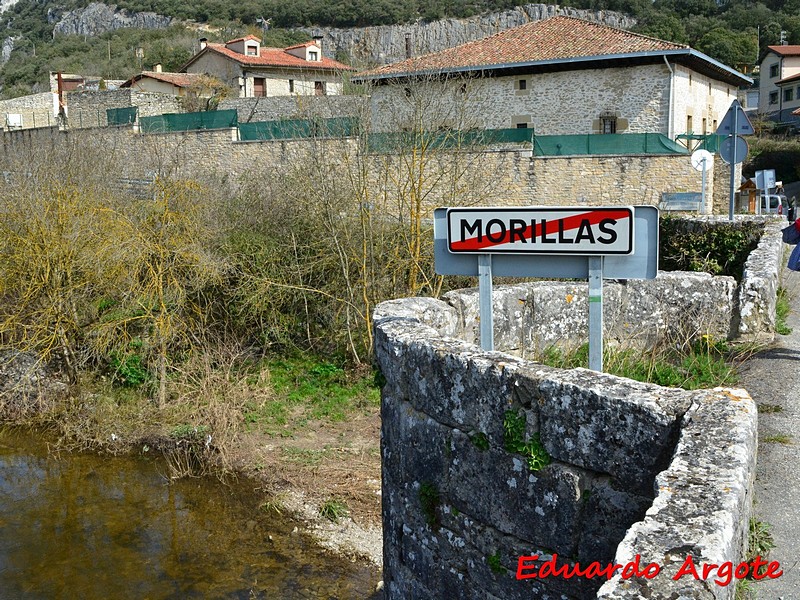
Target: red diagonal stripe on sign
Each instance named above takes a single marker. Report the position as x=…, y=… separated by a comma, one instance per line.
x=572, y=222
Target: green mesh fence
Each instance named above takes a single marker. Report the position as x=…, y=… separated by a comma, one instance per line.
x=616, y=143
x=447, y=140
x=298, y=128
x=694, y=141
x=121, y=116
x=212, y=119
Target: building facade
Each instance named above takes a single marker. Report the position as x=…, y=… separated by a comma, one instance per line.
x=560, y=76
x=779, y=85
x=254, y=71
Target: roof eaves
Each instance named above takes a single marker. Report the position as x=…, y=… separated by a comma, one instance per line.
x=516, y=65
x=733, y=73
x=556, y=61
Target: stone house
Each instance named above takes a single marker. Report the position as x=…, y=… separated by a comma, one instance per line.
x=256, y=71
x=779, y=85
x=560, y=76
x=158, y=82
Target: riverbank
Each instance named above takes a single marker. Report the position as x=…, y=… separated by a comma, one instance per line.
x=319, y=468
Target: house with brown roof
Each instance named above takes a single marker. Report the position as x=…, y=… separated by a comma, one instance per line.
x=560, y=76
x=158, y=82
x=779, y=84
x=256, y=71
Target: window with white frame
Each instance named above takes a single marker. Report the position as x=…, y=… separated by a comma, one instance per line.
x=313, y=55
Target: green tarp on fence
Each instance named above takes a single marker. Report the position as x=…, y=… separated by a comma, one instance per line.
x=212, y=119
x=298, y=128
x=710, y=142
x=121, y=116
x=451, y=139
x=616, y=143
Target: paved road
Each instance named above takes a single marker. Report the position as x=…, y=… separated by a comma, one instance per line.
x=773, y=380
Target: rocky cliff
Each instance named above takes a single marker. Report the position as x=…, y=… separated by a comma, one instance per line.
x=361, y=45
x=98, y=18
x=387, y=43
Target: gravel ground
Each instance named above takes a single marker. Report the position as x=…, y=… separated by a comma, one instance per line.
x=773, y=379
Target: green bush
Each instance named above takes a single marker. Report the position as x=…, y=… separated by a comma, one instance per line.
x=716, y=248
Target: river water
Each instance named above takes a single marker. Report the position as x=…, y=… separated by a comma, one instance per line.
x=91, y=527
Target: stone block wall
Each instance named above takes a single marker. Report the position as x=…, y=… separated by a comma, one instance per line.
x=493, y=177
x=676, y=307
x=275, y=108
x=36, y=110
x=87, y=109
x=465, y=433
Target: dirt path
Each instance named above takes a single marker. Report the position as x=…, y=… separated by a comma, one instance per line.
x=773, y=379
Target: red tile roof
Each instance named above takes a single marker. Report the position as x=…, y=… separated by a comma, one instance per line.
x=303, y=45
x=272, y=57
x=241, y=39
x=785, y=50
x=177, y=79
x=557, y=38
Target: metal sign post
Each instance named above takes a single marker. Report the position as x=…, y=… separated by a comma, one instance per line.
x=700, y=160
x=485, y=301
x=734, y=149
x=596, y=313
x=562, y=242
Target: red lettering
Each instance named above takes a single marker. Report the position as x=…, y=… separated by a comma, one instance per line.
x=738, y=573
x=707, y=569
x=576, y=570
x=523, y=566
x=771, y=570
x=551, y=569
x=758, y=572
x=631, y=569
x=651, y=570
x=611, y=569
x=726, y=572
x=687, y=568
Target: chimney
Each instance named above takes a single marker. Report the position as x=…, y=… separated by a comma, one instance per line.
x=157, y=68
x=317, y=37
x=408, y=45
x=203, y=43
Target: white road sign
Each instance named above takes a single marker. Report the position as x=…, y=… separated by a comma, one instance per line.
x=541, y=230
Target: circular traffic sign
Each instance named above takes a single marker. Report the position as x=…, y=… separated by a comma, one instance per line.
x=702, y=159
x=727, y=146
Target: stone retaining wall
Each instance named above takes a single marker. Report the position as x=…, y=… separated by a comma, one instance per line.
x=634, y=468
x=676, y=307
x=504, y=177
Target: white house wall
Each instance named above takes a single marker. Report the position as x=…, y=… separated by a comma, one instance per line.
x=218, y=66
x=277, y=82
x=155, y=86
x=702, y=98
x=787, y=67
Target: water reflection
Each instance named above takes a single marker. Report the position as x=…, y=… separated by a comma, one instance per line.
x=82, y=526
